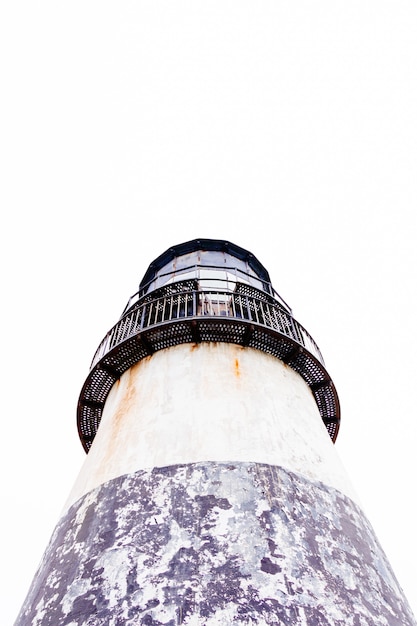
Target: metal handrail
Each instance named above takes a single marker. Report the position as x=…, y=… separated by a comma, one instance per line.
x=238, y=274
x=167, y=307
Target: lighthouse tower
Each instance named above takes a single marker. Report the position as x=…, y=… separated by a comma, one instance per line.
x=211, y=493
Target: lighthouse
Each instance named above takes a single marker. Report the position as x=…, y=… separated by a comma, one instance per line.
x=211, y=492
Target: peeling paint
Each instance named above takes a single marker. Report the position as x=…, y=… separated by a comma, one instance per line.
x=211, y=544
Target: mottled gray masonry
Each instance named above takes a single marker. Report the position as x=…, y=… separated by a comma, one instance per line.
x=214, y=544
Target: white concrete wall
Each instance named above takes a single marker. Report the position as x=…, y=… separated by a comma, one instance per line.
x=210, y=402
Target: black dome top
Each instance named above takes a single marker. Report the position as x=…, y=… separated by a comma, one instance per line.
x=217, y=245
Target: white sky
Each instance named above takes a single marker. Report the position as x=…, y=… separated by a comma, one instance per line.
x=288, y=128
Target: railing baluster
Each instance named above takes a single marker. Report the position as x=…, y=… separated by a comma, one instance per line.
x=275, y=318
x=255, y=310
x=297, y=332
x=249, y=316
x=142, y=317
x=131, y=317
x=112, y=336
x=240, y=307
x=263, y=318
x=135, y=318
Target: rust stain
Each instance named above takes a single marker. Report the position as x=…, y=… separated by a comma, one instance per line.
x=237, y=370
x=125, y=404
x=127, y=400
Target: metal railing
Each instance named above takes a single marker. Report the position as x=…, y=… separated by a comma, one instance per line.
x=169, y=304
x=234, y=275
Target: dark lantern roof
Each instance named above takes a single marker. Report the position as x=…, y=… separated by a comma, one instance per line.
x=218, y=245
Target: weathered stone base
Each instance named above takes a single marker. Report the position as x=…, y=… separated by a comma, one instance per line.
x=214, y=544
